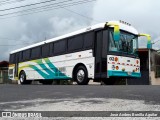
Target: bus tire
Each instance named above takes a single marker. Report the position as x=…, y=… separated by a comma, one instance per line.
x=81, y=75
x=22, y=79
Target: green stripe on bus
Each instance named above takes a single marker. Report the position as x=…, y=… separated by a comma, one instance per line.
x=50, y=73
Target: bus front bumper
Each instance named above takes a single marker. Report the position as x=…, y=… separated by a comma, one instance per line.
x=123, y=74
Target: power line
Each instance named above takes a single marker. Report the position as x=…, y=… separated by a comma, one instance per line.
x=10, y=2
x=156, y=41
x=46, y=9
x=4, y=1
x=81, y=15
x=46, y=6
x=33, y=8
x=27, y=5
x=77, y=3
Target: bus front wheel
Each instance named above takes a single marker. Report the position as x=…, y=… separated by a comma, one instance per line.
x=22, y=79
x=81, y=76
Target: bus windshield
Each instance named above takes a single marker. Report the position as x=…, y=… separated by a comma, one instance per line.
x=128, y=43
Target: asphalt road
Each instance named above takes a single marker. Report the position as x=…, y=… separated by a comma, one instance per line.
x=79, y=98
x=11, y=93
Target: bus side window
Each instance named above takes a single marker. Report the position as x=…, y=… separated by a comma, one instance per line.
x=75, y=43
x=20, y=57
x=45, y=50
x=51, y=49
x=88, y=40
x=17, y=57
x=26, y=55
x=36, y=53
x=60, y=47
x=12, y=58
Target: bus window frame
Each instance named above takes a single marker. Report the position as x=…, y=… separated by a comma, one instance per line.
x=120, y=53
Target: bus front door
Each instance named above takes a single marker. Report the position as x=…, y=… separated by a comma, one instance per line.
x=101, y=55
x=98, y=55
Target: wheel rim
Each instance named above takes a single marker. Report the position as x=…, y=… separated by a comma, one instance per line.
x=80, y=75
x=22, y=78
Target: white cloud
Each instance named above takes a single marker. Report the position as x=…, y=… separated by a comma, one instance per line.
x=64, y=25
x=37, y=27
x=142, y=14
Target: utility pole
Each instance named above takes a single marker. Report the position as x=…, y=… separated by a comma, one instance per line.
x=149, y=62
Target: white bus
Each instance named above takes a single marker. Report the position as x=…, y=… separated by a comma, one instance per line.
x=104, y=52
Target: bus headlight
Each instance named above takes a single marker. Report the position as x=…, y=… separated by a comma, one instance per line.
x=117, y=68
x=116, y=59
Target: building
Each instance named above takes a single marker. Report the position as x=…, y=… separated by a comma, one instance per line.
x=150, y=68
x=4, y=72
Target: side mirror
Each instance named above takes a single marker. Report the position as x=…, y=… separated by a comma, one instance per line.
x=116, y=35
x=149, y=44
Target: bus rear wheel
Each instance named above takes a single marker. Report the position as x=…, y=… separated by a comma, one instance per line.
x=22, y=79
x=81, y=76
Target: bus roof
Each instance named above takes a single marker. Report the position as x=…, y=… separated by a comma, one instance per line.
x=124, y=27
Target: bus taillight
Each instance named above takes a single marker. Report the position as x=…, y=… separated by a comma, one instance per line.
x=117, y=68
